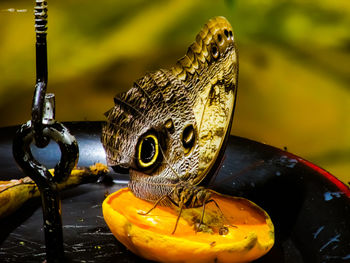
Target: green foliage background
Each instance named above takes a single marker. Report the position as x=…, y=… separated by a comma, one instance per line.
x=294, y=63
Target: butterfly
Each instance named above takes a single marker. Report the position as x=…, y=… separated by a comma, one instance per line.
x=170, y=129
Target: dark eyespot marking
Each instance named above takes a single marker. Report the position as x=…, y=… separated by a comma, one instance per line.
x=226, y=33
x=215, y=52
x=220, y=39
x=169, y=125
x=231, y=34
x=188, y=138
x=147, y=151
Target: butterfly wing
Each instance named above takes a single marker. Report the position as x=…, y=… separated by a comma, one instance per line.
x=209, y=71
x=156, y=108
x=171, y=125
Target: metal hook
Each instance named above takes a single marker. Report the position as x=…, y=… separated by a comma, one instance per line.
x=47, y=183
x=40, y=130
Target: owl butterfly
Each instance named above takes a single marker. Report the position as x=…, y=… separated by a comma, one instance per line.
x=170, y=129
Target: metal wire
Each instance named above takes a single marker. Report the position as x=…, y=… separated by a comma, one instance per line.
x=40, y=13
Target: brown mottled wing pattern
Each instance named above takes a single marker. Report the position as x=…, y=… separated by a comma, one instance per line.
x=148, y=105
x=210, y=73
x=198, y=92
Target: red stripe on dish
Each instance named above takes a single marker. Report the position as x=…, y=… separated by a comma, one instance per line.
x=342, y=187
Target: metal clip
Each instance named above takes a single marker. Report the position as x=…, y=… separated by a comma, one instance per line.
x=49, y=109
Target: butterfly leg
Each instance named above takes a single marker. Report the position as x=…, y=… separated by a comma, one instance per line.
x=203, y=211
x=222, y=214
x=212, y=200
x=178, y=218
x=155, y=205
x=202, y=217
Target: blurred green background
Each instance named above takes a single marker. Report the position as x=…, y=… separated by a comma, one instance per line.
x=294, y=84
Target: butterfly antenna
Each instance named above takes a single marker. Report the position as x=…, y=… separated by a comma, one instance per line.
x=205, y=105
x=123, y=102
x=170, y=166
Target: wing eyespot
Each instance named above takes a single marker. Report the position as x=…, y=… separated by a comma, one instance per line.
x=214, y=51
x=188, y=138
x=169, y=125
x=220, y=39
x=231, y=34
x=226, y=33
x=147, y=151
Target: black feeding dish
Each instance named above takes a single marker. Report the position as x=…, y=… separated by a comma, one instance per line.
x=309, y=207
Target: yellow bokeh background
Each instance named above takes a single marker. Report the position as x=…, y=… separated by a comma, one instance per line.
x=294, y=84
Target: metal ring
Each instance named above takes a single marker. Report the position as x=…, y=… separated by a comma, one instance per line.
x=31, y=167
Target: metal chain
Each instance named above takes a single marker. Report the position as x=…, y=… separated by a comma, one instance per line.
x=40, y=130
